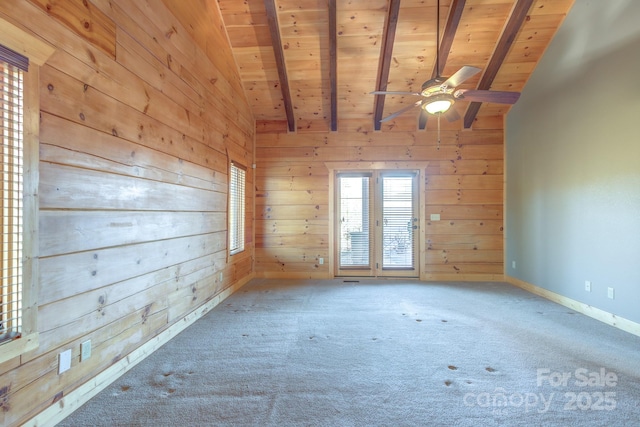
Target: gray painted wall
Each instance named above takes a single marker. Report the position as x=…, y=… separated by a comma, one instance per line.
x=573, y=162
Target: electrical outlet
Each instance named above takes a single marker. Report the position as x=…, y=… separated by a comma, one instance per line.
x=64, y=361
x=610, y=293
x=320, y=261
x=435, y=217
x=85, y=350
x=221, y=277
x=513, y=265
x=587, y=286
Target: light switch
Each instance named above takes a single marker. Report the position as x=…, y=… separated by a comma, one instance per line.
x=435, y=217
x=64, y=361
x=85, y=350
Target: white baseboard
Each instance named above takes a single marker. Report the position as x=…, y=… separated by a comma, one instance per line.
x=78, y=397
x=586, y=309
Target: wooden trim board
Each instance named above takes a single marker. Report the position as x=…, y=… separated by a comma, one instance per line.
x=293, y=275
x=69, y=403
x=586, y=309
x=428, y=277
x=462, y=277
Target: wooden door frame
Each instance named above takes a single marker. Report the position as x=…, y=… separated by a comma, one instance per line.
x=337, y=167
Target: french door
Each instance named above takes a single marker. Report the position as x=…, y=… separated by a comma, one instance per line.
x=376, y=223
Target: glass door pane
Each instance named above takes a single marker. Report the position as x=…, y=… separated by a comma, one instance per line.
x=399, y=221
x=354, y=221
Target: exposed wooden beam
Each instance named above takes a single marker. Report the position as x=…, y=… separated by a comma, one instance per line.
x=386, y=52
x=333, y=64
x=516, y=19
x=276, y=41
x=453, y=20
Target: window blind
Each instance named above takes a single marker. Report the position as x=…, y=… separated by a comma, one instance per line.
x=11, y=168
x=236, y=208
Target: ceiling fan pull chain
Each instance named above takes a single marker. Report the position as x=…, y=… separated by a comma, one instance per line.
x=438, y=146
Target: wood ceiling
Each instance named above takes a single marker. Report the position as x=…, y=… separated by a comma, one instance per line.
x=311, y=64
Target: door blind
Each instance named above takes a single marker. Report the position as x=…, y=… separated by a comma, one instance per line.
x=397, y=222
x=354, y=220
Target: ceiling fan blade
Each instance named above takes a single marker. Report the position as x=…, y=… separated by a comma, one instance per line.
x=487, y=96
x=397, y=113
x=461, y=75
x=384, y=92
x=452, y=115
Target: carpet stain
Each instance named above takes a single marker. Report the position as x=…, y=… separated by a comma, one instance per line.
x=452, y=367
x=444, y=321
x=312, y=337
x=489, y=369
x=167, y=374
x=418, y=320
x=125, y=387
x=245, y=335
x=172, y=390
x=374, y=339
x=448, y=383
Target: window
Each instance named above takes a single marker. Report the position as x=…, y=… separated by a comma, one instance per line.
x=236, y=208
x=21, y=56
x=12, y=67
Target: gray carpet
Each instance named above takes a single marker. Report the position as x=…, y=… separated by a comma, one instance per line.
x=381, y=353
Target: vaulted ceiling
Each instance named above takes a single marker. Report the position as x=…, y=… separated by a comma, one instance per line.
x=311, y=64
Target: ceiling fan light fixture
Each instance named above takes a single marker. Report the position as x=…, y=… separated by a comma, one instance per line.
x=438, y=104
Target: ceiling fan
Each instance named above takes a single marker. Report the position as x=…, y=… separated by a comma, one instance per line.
x=440, y=93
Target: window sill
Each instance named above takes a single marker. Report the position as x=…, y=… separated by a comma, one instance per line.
x=16, y=347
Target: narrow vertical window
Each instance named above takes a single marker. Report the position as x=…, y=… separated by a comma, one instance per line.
x=236, y=208
x=21, y=57
x=12, y=66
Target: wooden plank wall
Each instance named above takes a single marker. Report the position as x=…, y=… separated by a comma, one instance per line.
x=139, y=117
x=463, y=183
